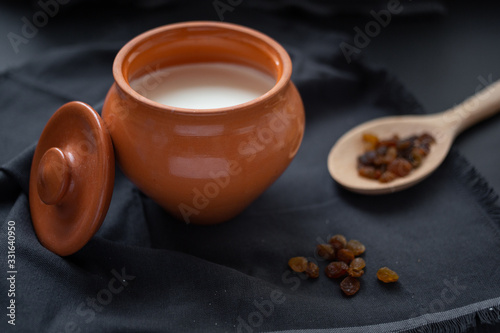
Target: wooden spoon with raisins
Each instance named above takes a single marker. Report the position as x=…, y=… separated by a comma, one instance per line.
x=358, y=169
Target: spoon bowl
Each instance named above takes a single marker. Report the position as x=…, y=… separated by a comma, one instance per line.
x=444, y=127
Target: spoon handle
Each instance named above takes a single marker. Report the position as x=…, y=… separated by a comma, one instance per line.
x=478, y=107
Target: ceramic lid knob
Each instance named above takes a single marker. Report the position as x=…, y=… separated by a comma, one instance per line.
x=53, y=176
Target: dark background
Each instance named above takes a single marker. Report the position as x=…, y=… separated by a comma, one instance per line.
x=441, y=56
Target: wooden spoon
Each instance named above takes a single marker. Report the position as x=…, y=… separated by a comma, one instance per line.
x=445, y=126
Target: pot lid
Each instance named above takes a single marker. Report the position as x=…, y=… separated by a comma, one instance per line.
x=71, y=179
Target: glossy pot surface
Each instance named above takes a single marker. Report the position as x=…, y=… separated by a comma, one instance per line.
x=203, y=166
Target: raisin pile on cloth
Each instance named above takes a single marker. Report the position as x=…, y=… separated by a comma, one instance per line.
x=344, y=263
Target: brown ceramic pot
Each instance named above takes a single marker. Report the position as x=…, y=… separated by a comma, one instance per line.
x=203, y=166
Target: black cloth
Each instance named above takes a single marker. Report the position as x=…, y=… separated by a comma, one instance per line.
x=145, y=271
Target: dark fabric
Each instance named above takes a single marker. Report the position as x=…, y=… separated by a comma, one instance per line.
x=145, y=271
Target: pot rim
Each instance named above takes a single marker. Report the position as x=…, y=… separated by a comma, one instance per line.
x=129, y=47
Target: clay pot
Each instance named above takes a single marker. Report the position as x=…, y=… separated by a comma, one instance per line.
x=205, y=166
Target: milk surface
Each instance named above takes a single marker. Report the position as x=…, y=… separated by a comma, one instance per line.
x=203, y=85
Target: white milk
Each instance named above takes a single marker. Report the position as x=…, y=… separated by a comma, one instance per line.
x=203, y=85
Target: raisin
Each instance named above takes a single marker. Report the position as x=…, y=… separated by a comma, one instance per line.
x=400, y=167
x=326, y=251
x=338, y=242
x=370, y=140
x=350, y=285
x=363, y=161
x=356, y=247
x=381, y=150
x=356, y=267
x=358, y=264
x=386, y=177
x=345, y=255
x=312, y=270
x=379, y=161
x=405, y=154
x=416, y=157
x=422, y=150
x=355, y=273
x=387, y=275
x=298, y=264
x=367, y=158
x=390, y=155
x=404, y=144
x=336, y=269
x=369, y=172
x=426, y=138
x=390, y=142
